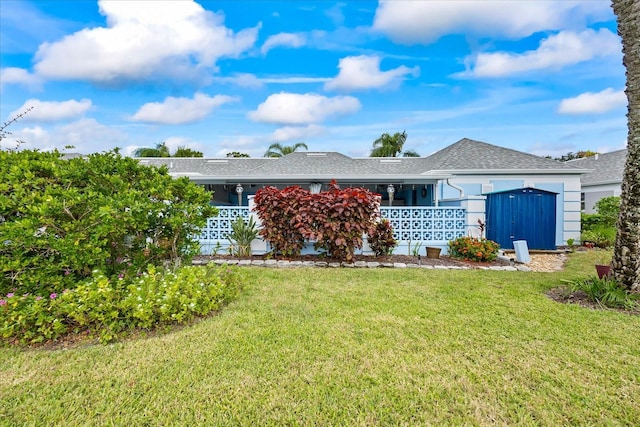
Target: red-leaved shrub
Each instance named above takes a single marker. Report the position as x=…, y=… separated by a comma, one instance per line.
x=336, y=219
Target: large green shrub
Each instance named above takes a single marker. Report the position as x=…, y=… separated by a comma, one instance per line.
x=61, y=219
x=600, y=228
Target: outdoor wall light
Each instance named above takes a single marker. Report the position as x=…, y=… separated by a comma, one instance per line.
x=391, y=190
x=239, y=191
x=315, y=187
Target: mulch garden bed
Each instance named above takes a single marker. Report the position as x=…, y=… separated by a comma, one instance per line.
x=406, y=259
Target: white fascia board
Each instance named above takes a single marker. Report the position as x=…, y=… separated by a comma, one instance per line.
x=599, y=183
x=509, y=172
x=227, y=179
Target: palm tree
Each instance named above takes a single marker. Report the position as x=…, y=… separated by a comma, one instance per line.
x=626, y=252
x=391, y=146
x=278, y=150
x=160, y=150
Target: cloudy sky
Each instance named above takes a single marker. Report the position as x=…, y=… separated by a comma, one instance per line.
x=545, y=77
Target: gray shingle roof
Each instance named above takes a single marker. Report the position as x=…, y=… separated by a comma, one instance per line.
x=315, y=163
x=237, y=166
x=464, y=155
x=468, y=154
x=606, y=168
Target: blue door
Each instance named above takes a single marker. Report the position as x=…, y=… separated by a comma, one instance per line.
x=522, y=214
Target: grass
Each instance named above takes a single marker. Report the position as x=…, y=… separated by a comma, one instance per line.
x=353, y=347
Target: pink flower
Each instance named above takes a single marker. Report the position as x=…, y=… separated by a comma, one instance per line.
x=3, y=302
x=53, y=296
x=120, y=276
x=38, y=298
x=10, y=294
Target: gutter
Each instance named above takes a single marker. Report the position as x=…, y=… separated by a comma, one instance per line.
x=460, y=189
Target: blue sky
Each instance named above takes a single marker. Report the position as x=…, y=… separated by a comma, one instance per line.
x=544, y=77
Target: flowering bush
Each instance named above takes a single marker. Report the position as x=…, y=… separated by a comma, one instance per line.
x=381, y=238
x=473, y=249
x=106, y=307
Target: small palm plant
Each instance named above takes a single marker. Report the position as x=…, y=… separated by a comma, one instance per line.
x=241, y=236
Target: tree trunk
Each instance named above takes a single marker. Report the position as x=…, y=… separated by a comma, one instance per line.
x=626, y=255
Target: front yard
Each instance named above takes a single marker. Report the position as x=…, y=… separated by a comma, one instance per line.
x=352, y=347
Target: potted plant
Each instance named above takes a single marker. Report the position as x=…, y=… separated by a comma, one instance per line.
x=603, y=270
x=433, y=252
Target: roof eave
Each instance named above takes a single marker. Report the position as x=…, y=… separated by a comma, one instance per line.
x=508, y=172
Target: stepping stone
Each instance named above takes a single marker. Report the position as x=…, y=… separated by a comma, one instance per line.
x=373, y=264
x=399, y=265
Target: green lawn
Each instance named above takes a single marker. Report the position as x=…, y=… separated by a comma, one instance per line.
x=353, y=347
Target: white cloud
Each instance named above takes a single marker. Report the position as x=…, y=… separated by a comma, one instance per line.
x=51, y=111
x=298, y=133
x=298, y=109
x=426, y=21
x=174, y=111
x=283, y=40
x=254, y=145
x=175, y=142
x=294, y=80
x=143, y=40
x=13, y=75
x=252, y=81
x=555, y=52
x=555, y=149
x=593, y=103
x=363, y=72
x=242, y=80
x=85, y=135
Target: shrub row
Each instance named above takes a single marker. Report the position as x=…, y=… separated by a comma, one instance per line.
x=109, y=307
